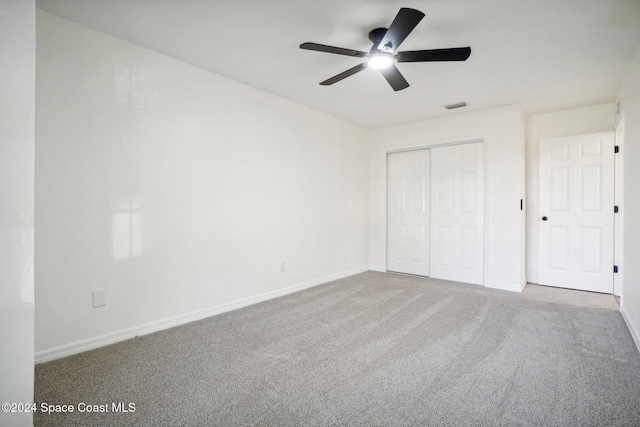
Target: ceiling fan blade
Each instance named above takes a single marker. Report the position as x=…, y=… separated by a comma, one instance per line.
x=404, y=22
x=395, y=79
x=344, y=74
x=432, y=55
x=331, y=49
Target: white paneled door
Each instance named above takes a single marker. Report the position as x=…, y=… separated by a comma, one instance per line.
x=457, y=213
x=408, y=212
x=576, y=212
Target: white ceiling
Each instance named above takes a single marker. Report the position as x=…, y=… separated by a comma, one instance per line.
x=544, y=54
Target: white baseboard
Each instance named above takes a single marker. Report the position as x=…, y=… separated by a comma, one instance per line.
x=506, y=286
x=632, y=330
x=148, y=328
x=378, y=268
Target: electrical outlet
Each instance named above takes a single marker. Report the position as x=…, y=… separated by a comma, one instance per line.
x=99, y=298
x=283, y=266
x=344, y=259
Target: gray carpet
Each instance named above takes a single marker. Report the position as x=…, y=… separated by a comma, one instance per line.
x=371, y=350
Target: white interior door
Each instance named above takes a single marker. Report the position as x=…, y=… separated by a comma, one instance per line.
x=457, y=213
x=408, y=212
x=576, y=212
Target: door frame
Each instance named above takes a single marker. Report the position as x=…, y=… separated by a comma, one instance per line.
x=423, y=146
x=618, y=219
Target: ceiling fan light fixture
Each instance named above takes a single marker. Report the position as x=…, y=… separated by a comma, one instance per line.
x=380, y=60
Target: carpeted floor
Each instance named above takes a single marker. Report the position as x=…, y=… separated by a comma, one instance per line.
x=370, y=350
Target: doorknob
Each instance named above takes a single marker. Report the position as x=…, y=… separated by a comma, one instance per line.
x=544, y=218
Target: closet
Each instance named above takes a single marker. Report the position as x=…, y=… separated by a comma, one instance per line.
x=435, y=212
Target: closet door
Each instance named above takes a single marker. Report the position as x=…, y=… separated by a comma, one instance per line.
x=457, y=213
x=408, y=212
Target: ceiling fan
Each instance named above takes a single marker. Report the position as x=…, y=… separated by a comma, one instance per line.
x=384, y=51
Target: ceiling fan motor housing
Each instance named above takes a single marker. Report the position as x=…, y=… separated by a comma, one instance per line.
x=376, y=36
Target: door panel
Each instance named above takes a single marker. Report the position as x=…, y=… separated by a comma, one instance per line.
x=408, y=215
x=456, y=213
x=398, y=241
x=559, y=189
x=418, y=188
x=419, y=249
x=576, y=212
x=445, y=244
x=444, y=191
x=469, y=245
x=398, y=195
x=591, y=249
x=469, y=186
x=591, y=188
x=559, y=251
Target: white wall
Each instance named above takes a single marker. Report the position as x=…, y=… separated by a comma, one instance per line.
x=225, y=182
x=17, y=111
x=579, y=121
x=502, y=130
x=630, y=106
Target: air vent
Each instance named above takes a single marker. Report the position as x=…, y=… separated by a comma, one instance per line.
x=456, y=105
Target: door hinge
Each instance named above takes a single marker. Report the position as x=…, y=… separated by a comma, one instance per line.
x=615, y=268
x=615, y=209
x=616, y=149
